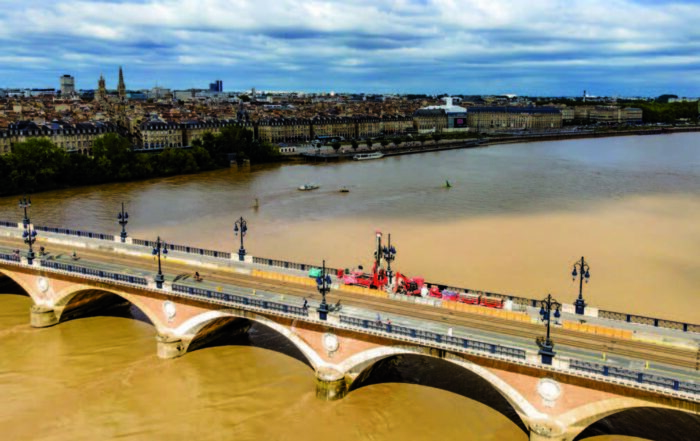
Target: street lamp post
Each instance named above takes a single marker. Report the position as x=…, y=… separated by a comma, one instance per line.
x=241, y=226
x=29, y=236
x=546, y=345
x=583, y=273
x=158, y=248
x=389, y=255
x=25, y=203
x=323, y=284
x=123, y=219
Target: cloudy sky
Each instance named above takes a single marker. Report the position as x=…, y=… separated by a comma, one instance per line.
x=528, y=47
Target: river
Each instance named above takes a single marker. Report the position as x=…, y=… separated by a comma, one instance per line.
x=514, y=221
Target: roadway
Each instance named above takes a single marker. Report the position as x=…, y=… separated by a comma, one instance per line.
x=663, y=360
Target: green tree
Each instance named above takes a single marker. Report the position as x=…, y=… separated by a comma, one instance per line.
x=37, y=164
x=422, y=139
x=114, y=156
x=384, y=142
x=436, y=137
x=354, y=144
x=336, y=146
x=397, y=141
x=369, y=142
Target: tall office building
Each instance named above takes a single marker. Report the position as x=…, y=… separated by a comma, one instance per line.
x=216, y=86
x=67, y=85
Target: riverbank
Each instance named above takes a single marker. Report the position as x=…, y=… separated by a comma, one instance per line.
x=417, y=147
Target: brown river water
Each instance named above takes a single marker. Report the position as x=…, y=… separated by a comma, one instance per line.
x=514, y=221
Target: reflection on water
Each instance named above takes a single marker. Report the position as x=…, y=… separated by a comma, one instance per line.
x=514, y=221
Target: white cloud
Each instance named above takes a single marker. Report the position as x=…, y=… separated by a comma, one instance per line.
x=377, y=37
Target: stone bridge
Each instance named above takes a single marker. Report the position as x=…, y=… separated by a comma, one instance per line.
x=548, y=402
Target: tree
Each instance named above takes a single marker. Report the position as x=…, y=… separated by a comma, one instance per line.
x=354, y=144
x=37, y=164
x=244, y=98
x=422, y=139
x=384, y=142
x=397, y=141
x=336, y=146
x=369, y=143
x=114, y=156
x=436, y=137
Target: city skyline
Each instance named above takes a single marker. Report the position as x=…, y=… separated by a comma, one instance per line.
x=554, y=48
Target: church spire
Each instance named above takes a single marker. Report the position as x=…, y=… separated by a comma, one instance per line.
x=121, y=88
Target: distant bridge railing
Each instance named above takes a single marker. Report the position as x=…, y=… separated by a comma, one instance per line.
x=522, y=301
x=185, y=249
x=227, y=297
x=642, y=320
x=421, y=334
x=77, y=233
x=636, y=376
x=94, y=272
x=289, y=265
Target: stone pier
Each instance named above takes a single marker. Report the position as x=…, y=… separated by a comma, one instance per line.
x=330, y=384
x=170, y=347
x=42, y=316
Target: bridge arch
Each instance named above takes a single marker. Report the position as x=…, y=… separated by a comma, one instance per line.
x=507, y=399
x=190, y=329
x=631, y=417
x=26, y=287
x=63, y=300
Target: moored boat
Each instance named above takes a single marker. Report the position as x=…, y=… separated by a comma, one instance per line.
x=307, y=187
x=367, y=156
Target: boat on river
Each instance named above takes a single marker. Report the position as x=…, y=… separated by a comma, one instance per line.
x=308, y=187
x=367, y=156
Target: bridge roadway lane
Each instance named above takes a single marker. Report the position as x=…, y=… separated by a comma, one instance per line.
x=583, y=346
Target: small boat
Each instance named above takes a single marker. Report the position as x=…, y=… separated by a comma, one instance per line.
x=307, y=187
x=366, y=156
x=344, y=190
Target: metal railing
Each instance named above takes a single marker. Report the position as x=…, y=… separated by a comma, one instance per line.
x=185, y=249
x=10, y=257
x=429, y=336
x=77, y=233
x=233, y=298
x=290, y=265
x=635, y=376
x=650, y=321
x=8, y=224
x=136, y=280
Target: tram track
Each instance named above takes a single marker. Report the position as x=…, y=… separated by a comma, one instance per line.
x=644, y=351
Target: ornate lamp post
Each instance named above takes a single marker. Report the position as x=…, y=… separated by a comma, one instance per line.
x=323, y=284
x=123, y=219
x=25, y=203
x=158, y=248
x=546, y=345
x=29, y=236
x=389, y=255
x=241, y=226
x=583, y=273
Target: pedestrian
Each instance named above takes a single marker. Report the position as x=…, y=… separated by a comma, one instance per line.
x=388, y=322
x=379, y=318
x=306, y=303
